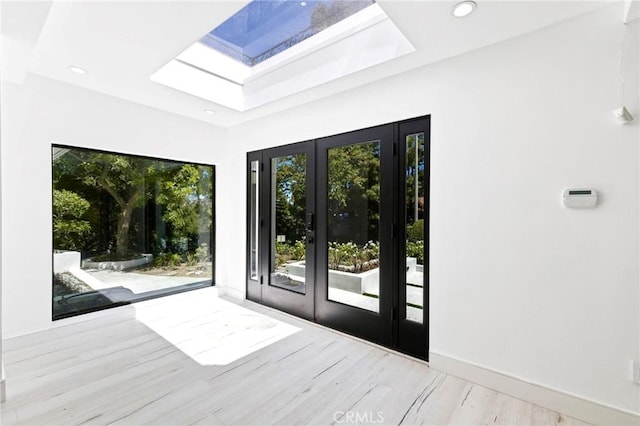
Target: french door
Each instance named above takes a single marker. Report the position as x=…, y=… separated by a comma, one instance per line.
x=355, y=225
x=338, y=232
x=281, y=255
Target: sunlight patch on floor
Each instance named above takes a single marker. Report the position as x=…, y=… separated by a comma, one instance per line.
x=212, y=331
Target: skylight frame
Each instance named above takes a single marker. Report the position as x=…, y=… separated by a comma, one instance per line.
x=217, y=63
x=365, y=39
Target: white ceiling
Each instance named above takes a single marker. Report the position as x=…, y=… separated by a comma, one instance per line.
x=121, y=44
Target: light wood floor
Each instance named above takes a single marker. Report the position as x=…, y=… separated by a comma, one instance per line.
x=196, y=359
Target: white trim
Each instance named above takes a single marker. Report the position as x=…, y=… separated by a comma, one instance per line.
x=369, y=36
x=217, y=63
x=553, y=399
x=3, y=390
x=631, y=11
x=232, y=292
x=359, y=21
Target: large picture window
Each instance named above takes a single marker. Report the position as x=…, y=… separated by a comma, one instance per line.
x=128, y=228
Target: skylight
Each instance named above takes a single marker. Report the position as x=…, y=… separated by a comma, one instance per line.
x=264, y=28
x=272, y=49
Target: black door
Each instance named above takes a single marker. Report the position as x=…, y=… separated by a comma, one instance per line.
x=338, y=232
x=281, y=247
x=355, y=224
x=413, y=236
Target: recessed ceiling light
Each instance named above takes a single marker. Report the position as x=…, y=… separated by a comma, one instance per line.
x=463, y=9
x=77, y=70
x=209, y=111
x=303, y=3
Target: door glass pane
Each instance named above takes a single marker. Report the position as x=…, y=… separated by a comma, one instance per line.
x=414, y=208
x=288, y=210
x=254, y=226
x=353, y=216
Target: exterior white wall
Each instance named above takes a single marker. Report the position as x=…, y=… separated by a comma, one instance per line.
x=519, y=284
x=37, y=113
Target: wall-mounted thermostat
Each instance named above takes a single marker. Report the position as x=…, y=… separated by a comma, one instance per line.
x=580, y=198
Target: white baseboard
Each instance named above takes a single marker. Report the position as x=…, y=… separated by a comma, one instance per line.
x=232, y=292
x=556, y=400
x=3, y=389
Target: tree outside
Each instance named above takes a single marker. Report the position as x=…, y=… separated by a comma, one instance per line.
x=116, y=207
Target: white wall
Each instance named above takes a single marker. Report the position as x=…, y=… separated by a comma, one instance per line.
x=519, y=284
x=2, y=379
x=37, y=113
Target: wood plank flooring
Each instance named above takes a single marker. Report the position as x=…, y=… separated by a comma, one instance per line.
x=197, y=359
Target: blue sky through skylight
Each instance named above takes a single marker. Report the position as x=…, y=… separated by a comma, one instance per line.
x=264, y=28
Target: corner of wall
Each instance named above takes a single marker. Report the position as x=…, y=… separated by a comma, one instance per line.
x=553, y=399
x=3, y=393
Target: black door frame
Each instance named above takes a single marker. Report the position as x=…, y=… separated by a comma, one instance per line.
x=411, y=337
x=389, y=327
x=374, y=326
x=254, y=285
x=261, y=290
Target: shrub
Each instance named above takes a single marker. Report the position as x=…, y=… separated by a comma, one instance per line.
x=415, y=231
x=298, y=250
x=174, y=260
x=202, y=253
x=416, y=249
x=69, y=227
x=349, y=257
x=168, y=260
x=289, y=251
x=192, y=259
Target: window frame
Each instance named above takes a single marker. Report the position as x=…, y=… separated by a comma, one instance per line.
x=179, y=289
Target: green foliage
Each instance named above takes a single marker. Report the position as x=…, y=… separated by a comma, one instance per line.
x=186, y=199
x=115, y=257
x=282, y=254
x=202, y=253
x=350, y=257
x=167, y=260
x=298, y=250
x=124, y=178
x=354, y=171
x=416, y=249
x=174, y=194
x=191, y=259
x=289, y=251
x=290, y=195
x=353, y=189
x=415, y=231
x=118, y=187
x=413, y=170
x=354, y=192
x=174, y=260
x=69, y=227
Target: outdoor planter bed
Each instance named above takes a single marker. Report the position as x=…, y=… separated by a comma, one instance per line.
x=120, y=265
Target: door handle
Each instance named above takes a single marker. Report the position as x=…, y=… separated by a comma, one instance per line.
x=309, y=224
x=309, y=227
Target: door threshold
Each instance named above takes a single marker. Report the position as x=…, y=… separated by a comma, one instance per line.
x=333, y=330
